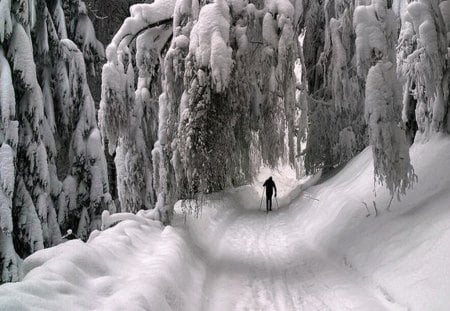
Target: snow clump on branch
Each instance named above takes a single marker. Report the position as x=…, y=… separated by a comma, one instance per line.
x=209, y=42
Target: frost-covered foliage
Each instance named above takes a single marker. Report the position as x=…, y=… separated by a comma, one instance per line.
x=8, y=123
x=5, y=19
x=423, y=65
x=81, y=31
x=128, y=110
x=335, y=91
x=348, y=44
x=389, y=145
x=32, y=202
x=376, y=28
x=225, y=70
x=46, y=109
x=23, y=156
x=209, y=43
x=206, y=140
x=87, y=160
x=9, y=261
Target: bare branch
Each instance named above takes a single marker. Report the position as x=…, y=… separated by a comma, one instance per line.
x=367, y=208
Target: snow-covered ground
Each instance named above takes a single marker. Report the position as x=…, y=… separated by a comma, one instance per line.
x=319, y=251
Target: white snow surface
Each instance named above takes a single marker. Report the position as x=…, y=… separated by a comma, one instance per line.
x=320, y=250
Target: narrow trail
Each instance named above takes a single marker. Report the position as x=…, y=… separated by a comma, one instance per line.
x=259, y=264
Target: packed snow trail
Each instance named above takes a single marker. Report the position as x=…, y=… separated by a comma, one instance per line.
x=260, y=262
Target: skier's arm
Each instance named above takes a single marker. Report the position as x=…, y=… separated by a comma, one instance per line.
x=275, y=189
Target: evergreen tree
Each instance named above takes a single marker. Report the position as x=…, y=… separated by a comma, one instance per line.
x=46, y=107
x=376, y=35
x=88, y=173
x=423, y=66
x=9, y=260
x=337, y=130
x=33, y=184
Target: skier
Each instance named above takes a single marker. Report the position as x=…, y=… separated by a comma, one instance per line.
x=270, y=185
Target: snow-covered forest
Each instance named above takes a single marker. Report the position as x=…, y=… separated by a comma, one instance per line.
x=227, y=98
x=53, y=168
x=186, y=99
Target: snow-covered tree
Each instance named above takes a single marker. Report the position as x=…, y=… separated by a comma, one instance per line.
x=9, y=260
x=46, y=110
x=346, y=45
x=337, y=130
x=32, y=196
x=423, y=65
x=81, y=31
x=88, y=173
x=108, y=16
x=376, y=35
x=225, y=70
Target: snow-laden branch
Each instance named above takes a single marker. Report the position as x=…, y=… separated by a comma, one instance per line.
x=375, y=28
x=144, y=16
x=422, y=52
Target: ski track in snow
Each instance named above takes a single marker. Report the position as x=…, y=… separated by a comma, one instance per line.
x=261, y=264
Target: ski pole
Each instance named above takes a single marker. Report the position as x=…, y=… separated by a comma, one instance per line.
x=262, y=196
x=276, y=199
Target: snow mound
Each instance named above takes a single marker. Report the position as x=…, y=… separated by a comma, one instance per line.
x=128, y=267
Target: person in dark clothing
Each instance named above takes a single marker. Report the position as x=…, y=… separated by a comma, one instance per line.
x=270, y=186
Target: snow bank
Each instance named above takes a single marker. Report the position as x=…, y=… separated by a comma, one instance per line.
x=106, y=273
x=402, y=252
